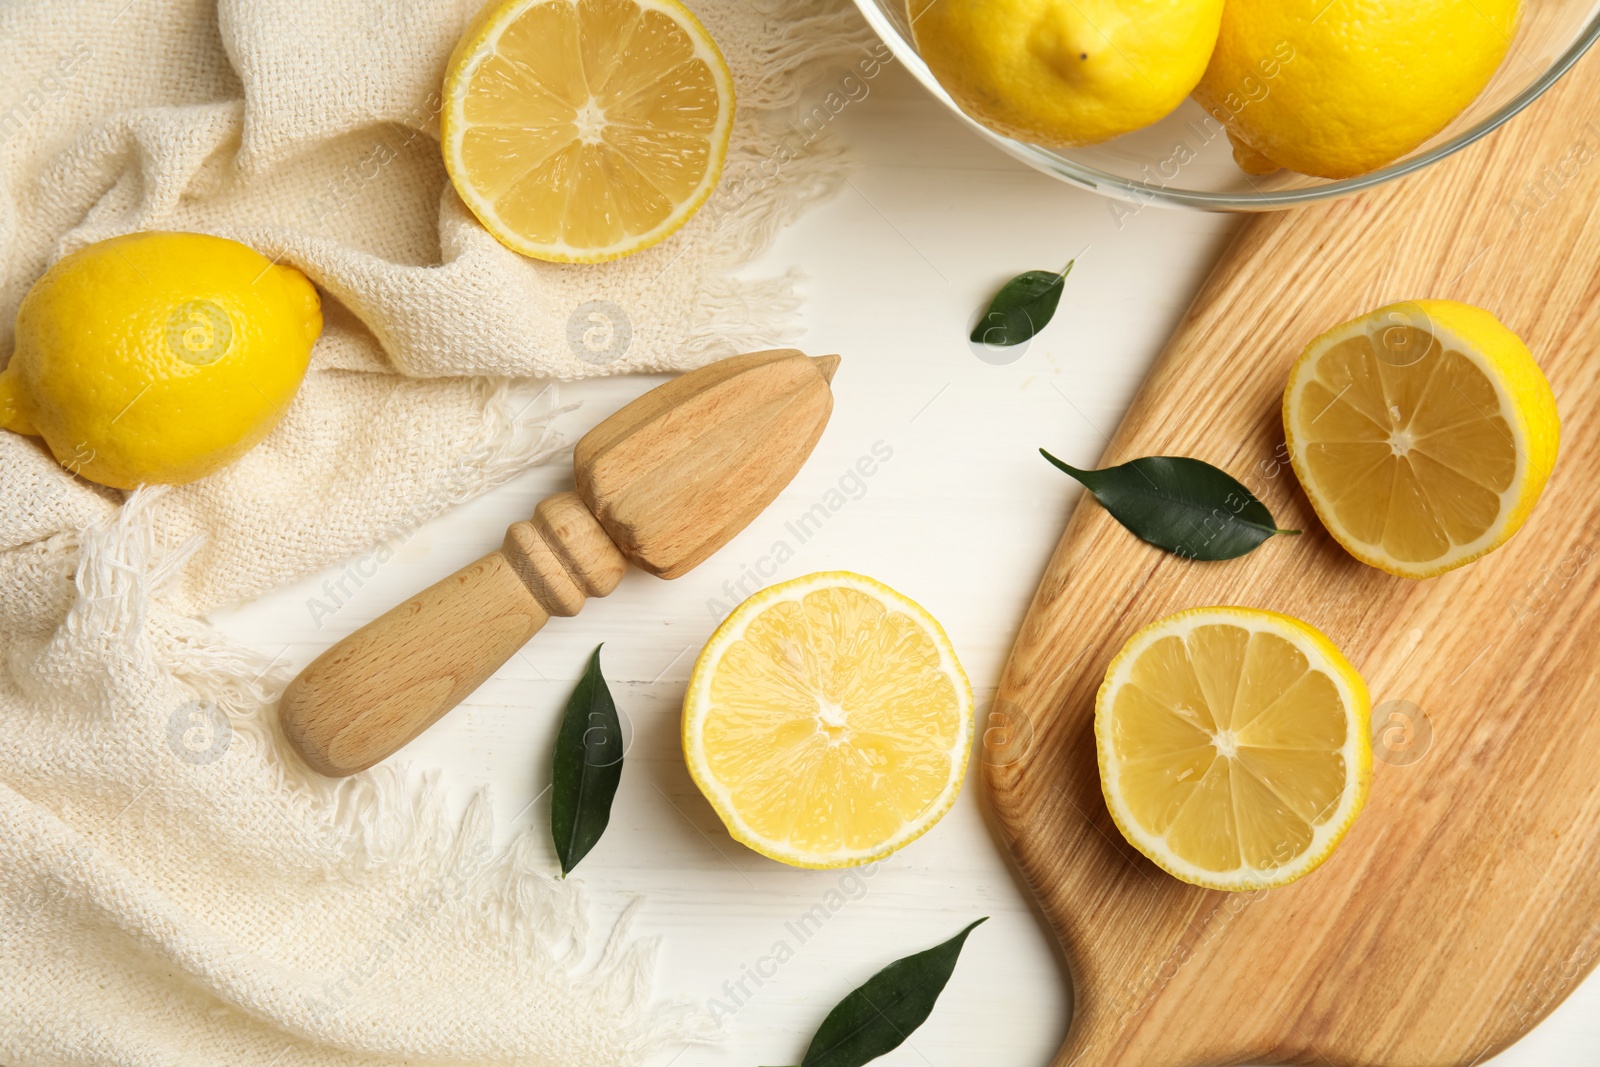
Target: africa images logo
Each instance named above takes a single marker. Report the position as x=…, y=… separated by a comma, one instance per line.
x=198, y=732
x=599, y=332
x=199, y=332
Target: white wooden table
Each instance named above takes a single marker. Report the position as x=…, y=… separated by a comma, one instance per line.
x=961, y=517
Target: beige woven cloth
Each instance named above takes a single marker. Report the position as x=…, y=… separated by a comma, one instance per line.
x=175, y=888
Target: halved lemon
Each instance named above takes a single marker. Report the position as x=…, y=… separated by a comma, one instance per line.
x=1423, y=434
x=1234, y=747
x=828, y=721
x=585, y=131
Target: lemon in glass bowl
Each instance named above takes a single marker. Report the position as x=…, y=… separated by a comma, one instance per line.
x=1066, y=72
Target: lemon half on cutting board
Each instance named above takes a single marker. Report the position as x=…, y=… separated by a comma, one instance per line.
x=828, y=721
x=1233, y=744
x=585, y=131
x=1423, y=434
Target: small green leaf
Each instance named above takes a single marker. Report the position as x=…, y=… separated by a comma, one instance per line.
x=1183, y=505
x=587, y=767
x=1022, y=307
x=881, y=1013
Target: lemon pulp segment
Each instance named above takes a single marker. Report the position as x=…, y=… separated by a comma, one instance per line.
x=828, y=721
x=588, y=130
x=1421, y=446
x=1233, y=746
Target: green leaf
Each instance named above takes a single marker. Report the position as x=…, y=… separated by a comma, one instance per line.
x=1022, y=307
x=877, y=1016
x=1183, y=505
x=587, y=767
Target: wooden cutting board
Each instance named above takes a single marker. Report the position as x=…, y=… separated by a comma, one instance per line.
x=1465, y=902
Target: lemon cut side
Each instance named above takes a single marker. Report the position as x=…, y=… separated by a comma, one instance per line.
x=585, y=131
x=1233, y=746
x=1423, y=434
x=828, y=721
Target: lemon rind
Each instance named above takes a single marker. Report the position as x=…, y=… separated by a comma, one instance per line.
x=1357, y=750
x=479, y=42
x=696, y=704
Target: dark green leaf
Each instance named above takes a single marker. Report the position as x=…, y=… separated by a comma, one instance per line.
x=587, y=767
x=1183, y=505
x=1021, y=308
x=881, y=1013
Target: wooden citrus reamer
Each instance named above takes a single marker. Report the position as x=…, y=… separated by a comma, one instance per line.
x=662, y=483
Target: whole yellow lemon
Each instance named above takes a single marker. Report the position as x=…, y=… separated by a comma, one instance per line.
x=1066, y=72
x=158, y=357
x=1337, y=88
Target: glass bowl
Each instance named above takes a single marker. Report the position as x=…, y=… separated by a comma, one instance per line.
x=1185, y=158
